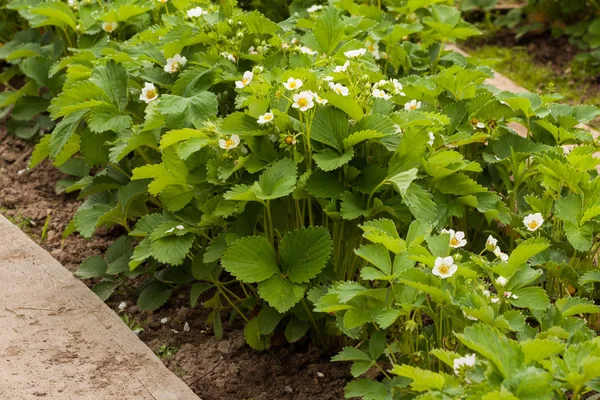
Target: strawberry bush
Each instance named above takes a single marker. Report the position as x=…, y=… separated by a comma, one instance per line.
x=338, y=175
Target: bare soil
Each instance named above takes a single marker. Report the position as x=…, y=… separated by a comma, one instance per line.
x=215, y=370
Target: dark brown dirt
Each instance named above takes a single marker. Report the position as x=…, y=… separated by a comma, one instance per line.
x=215, y=370
x=28, y=197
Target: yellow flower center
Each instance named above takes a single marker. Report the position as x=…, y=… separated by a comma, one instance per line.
x=371, y=48
x=268, y=117
x=229, y=143
x=245, y=81
x=302, y=102
x=413, y=107
x=108, y=27
x=150, y=94
x=175, y=66
x=533, y=224
x=339, y=90
x=292, y=85
x=454, y=241
x=444, y=269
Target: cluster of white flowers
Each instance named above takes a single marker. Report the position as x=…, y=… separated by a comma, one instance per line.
x=196, y=12
x=381, y=94
x=444, y=267
x=175, y=63
x=491, y=244
x=431, y=139
x=463, y=363
x=246, y=79
x=228, y=56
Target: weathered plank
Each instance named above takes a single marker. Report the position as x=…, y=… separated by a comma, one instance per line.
x=58, y=340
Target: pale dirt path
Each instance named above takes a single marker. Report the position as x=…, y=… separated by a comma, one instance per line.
x=58, y=340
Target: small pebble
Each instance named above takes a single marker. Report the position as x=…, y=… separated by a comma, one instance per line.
x=288, y=389
x=164, y=320
x=122, y=306
x=320, y=375
x=186, y=327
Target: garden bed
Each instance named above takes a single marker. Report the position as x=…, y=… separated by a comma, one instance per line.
x=214, y=369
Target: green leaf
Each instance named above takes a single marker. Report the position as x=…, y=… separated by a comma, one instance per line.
x=254, y=338
x=154, y=295
x=296, y=329
x=504, y=354
x=329, y=160
x=304, y=253
x=420, y=203
x=524, y=251
x=570, y=306
x=197, y=289
x=280, y=293
x=383, y=231
x=330, y=127
x=581, y=237
x=328, y=31
x=422, y=380
x=377, y=255
x=112, y=79
x=107, y=118
x=324, y=185
x=569, y=208
x=268, y=318
x=277, y=180
x=63, y=132
x=349, y=353
x=92, y=267
x=534, y=298
x=402, y=180
x=56, y=13
x=182, y=112
x=250, y=259
x=105, y=289
x=360, y=136
x=172, y=249
x=367, y=389
x=346, y=104
x=259, y=24
x=540, y=349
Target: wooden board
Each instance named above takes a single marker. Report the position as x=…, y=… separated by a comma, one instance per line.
x=58, y=340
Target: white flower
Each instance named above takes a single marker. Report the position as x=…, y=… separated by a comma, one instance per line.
x=284, y=45
x=480, y=125
x=397, y=128
x=397, y=87
x=164, y=320
x=491, y=243
x=444, y=267
x=373, y=47
x=180, y=227
x=494, y=300
x=265, y=118
x=195, y=12
x=320, y=100
x=175, y=63
x=72, y=3
x=486, y=293
x=149, y=92
x=252, y=50
x=342, y=68
x=246, y=79
x=431, y=139
x=465, y=362
x=122, y=306
x=502, y=281
x=412, y=105
x=328, y=78
x=231, y=143
x=186, y=327
x=457, y=239
x=533, y=221
x=355, y=53
x=339, y=88
x=502, y=256
x=314, y=8
x=292, y=84
x=229, y=56
x=381, y=94
x=510, y=295
x=304, y=100
x=109, y=26
x=307, y=50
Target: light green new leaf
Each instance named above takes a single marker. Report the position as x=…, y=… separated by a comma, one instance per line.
x=63, y=132
x=569, y=208
x=250, y=259
x=328, y=30
x=383, y=231
x=56, y=13
x=112, y=79
x=106, y=117
x=522, y=254
x=402, y=180
x=540, y=349
x=367, y=389
x=304, y=253
x=377, y=255
x=581, y=237
x=534, y=298
x=330, y=127
x=280, y=293
x=570, y=306
x=422, y=380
